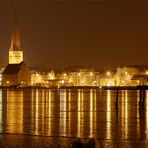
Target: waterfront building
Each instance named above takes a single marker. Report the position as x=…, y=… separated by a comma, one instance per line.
x=107, y=78
x=141, y=78
x=46, y=79
x=124, y=76
x=84, y=77
x=16, y=72
x=51, y=75
x=63, y=79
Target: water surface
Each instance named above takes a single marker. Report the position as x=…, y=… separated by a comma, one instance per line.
x=65, y=114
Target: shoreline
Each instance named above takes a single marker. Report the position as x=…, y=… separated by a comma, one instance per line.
x=140, y=87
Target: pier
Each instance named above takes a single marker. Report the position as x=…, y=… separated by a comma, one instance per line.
x=142, y=91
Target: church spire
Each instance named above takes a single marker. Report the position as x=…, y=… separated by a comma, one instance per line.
x=15, y=52
x=15, y=39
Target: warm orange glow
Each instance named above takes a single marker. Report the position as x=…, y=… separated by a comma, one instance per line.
x=108, y=73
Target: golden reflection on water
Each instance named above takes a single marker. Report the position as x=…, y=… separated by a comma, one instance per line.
x=1, y=102
x=69, y=115
x=36, y=111
x=124, y=113
x=146, y=104
x=49, y=111
x=80, y=113
x=95, y=114
x=108, y=115
x=63, y=111
x=138, y=116
x=14, y=111
x=92, y=113
x=77, y=113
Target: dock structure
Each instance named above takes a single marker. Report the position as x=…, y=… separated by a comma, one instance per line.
x=142, y=91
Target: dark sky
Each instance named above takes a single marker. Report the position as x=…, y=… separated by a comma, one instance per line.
x=58, y=33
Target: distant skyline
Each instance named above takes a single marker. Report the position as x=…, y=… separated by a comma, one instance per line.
x=98, y=34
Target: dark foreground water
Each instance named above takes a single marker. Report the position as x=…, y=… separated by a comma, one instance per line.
x=55, y=118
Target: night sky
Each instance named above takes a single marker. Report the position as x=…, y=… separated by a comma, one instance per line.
x=96, y=34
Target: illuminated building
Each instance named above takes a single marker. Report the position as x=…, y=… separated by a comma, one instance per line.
x=51, y=75
x=124, y=76
x=46, y=79
x=107, y=78
x=16, y=72
x=15, y=52
x=37, y=78
x=84, y=77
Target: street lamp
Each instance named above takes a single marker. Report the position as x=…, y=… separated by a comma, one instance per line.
x=108, y=73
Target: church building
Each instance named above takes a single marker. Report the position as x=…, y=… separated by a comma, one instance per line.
x=16, y=72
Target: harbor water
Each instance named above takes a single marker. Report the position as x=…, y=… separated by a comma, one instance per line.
x=56, y=117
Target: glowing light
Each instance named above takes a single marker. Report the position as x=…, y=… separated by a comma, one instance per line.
x=7, y=82
x=108, y=73
x=147, y=72
x=94, y=82
x=62, y=81
x=108, y=84
x=138, y=81
x=91, y=74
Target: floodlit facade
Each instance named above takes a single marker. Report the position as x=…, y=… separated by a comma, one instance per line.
x=84, y=77
x=107, y=79
x=124, y=76
x=43, y=79
x=15, y=52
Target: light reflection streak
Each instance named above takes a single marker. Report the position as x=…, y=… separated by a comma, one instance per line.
x=95, y=111
x=126, y=114
x=1, y=110
x=91, y=114
x=80, y=112
x=69, y=111
x=138, y=116
x=42, y=105
x=146, y=104
x=32, y=108
x=63, y=109
x=108, y=115
x=37, y=112
x=79, y=109
x=15, y=111
x=49, y=110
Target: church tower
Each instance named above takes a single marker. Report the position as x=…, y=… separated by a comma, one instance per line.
x=15, y=52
